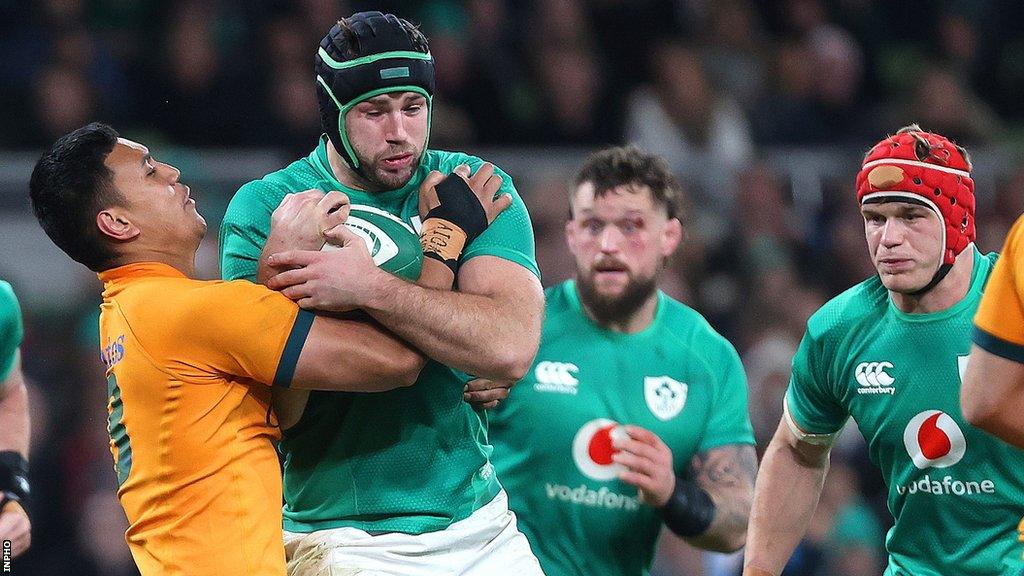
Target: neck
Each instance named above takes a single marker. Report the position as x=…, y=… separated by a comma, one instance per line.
x=638, y=320
x=184, y=263
x=344, y=173
x=948, y=292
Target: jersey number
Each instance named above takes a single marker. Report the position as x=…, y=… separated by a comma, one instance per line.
x=120, y=444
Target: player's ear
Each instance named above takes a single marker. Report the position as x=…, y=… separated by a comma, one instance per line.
x=114, y=222
x=672, y=235
x=570, y=234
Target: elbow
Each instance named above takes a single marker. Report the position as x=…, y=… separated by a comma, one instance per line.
x=726, y=543
x=405, y=369
x=734, y=536
x=512, y=363
x=408, y=377
x=511, y=367
x=735, y=541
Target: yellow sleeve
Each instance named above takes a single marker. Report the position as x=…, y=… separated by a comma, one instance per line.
x=245, y=329
x=999, y=323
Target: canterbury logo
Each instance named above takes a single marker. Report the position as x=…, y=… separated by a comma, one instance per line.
x=873, y=378
x=556, y=377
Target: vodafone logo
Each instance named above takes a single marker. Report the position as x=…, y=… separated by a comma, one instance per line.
x=592, y=450
x=934, y=440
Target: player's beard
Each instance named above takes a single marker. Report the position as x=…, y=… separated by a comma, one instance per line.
x=607, y=308
x=382, y=180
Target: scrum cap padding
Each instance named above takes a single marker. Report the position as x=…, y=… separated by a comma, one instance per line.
x=389, y=62
x=923, y=168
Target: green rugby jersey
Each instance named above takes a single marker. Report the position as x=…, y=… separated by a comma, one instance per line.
x=410, y=460
x=11, y=330
x=954, y=491
x=552, y=444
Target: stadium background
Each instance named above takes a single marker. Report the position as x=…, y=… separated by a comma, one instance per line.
x=763, y=108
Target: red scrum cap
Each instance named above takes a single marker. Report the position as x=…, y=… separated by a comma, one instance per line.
x=928, y=169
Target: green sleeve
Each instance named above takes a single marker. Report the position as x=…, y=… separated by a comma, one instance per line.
x=510, y=236
x=810, y=399
x=729, y=421
x=244, y=230
x=11, y=329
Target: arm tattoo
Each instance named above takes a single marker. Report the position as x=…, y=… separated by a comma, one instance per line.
x=727, y=473
x=734, y=465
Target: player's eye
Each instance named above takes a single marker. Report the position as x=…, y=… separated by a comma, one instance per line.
x=414, y=109
x=593, y=226
x=150, y=169
x=631, y=226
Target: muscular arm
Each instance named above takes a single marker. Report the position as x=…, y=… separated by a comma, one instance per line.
x=362, y=355
x=727, y=474
x=787, y=491
x=992, y=395
x=489, y=328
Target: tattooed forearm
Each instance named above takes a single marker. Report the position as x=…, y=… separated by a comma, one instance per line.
x=730, y=466
x=727, y=474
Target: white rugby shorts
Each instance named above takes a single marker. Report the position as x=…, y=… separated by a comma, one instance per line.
x=487, y=543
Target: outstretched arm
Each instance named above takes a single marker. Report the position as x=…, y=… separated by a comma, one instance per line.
x=788, y=486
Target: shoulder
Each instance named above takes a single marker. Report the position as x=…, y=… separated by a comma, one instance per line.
x=985, y=265
x=446, y=161
x=267, y=192
x=989, y=259
x=215, y=295
x=188, y=305
x=692, y=328
x=863, y=302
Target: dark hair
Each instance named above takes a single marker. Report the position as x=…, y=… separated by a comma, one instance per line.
x=351, y=45
x=69, y=185
x=616, y=166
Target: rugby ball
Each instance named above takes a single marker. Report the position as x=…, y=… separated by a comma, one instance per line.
x=393, y=244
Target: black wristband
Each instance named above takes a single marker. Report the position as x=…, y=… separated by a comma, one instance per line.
x=451, y=263
x=460, y=206
x=14, y=479
x=689, y=510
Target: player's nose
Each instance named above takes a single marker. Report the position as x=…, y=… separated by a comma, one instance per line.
x=892, y=233
x=610, y=239
x=395, y=129
x=173, y=174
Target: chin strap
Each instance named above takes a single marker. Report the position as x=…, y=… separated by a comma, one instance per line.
x=939, y=275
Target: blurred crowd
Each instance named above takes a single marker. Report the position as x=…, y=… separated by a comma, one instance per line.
x=701, y=81
x=710, y=85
